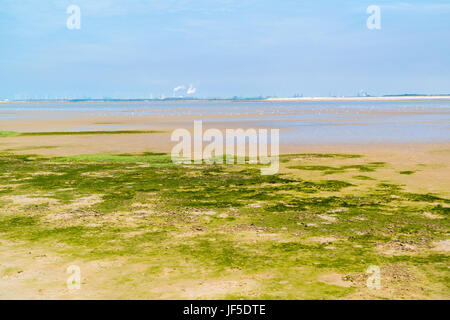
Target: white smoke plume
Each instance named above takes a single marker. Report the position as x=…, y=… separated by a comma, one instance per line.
x=184, y=90
x=176, y=89
x=191, y=90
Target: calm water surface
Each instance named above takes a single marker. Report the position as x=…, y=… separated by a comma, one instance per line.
x=300, y=122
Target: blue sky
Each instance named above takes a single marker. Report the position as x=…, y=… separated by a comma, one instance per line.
x=222, y=48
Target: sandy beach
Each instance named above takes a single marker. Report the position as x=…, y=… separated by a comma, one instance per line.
x=386, y=98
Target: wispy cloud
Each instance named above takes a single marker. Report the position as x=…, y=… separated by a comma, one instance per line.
x=419, y=6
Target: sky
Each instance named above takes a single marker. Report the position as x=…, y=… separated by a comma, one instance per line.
x=222, y=48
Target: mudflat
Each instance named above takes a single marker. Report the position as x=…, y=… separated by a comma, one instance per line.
x=140, y=227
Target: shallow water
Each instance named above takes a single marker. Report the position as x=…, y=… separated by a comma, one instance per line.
x=300, y=122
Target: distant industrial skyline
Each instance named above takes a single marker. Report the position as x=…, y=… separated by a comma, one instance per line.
x=260, y=98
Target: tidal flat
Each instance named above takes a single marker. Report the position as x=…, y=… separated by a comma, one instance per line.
x=140, y=227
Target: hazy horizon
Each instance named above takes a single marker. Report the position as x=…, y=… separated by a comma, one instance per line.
x=195, y=98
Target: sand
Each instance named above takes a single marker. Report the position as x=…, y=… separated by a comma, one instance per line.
x=393, y=98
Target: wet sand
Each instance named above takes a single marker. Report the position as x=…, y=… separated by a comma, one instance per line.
x=435, y=156
x=432, y=154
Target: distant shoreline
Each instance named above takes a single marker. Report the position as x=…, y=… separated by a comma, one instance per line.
x=297, y=99
x=384, y=98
